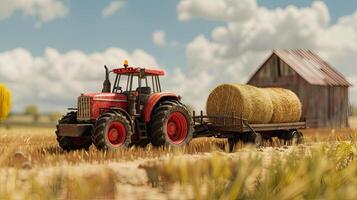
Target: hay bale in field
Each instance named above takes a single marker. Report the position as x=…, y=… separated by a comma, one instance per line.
x=253, y=103
x=286, y=105
x=5, y=102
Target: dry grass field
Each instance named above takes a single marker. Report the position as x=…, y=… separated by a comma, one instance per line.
x=33, y=167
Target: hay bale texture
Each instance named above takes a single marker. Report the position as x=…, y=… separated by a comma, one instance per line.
x=5, y=102
x=286, y=105
x=257, y=105
x=227, y=99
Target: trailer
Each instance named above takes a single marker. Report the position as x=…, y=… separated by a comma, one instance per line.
x=237, y=129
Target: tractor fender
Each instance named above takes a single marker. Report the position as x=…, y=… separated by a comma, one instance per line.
x=126, y=114
x=154, y=99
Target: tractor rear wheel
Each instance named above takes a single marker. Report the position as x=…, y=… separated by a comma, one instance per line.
x=171, y=124
x=112, y=131
x=72, y=143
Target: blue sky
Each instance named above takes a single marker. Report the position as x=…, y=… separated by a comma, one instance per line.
x=86, y=29
x=53, y=44
x=130, y=28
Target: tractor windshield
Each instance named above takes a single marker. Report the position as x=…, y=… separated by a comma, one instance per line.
x=136, y=82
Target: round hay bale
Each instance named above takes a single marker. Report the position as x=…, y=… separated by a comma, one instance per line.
x=286, y=105
x=5, y=102
x=253, y=103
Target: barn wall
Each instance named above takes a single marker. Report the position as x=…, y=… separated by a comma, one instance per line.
x=338, y=107
x=323, y=106
x=319, y=106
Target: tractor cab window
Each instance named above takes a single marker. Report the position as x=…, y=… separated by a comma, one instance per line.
x=136, y=82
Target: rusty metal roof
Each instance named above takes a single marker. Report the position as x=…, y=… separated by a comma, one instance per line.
x=311, y=67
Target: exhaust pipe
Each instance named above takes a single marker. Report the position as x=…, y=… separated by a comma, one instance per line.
x=106, y=83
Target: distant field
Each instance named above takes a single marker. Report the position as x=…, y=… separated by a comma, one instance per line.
x=43, y=120
x=32, y=166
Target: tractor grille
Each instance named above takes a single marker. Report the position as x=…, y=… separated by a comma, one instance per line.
x=83, y=108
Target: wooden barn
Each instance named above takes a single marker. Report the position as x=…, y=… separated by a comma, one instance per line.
x=322, y=90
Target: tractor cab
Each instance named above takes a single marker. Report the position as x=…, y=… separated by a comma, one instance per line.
x=136, y=83
x=137, y=79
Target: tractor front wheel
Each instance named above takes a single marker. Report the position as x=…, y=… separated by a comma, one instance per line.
x=72, y=143
x=171, y=124
x=112, y=131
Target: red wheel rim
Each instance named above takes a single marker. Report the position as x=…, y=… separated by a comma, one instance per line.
x=116, y=134
x=176, y=128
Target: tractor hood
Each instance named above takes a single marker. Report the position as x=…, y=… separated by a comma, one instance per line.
x=99, y=96
x=91, y=105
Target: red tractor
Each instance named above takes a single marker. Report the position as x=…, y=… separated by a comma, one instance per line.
x=133, y=112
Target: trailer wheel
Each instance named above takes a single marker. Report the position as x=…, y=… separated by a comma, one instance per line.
x=297, y=138
x=255, y=138
x=112, y=131
x=72, y=143
x=171, y=124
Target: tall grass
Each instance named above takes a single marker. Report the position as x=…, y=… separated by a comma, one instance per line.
x=33, y=167
x=327, y=171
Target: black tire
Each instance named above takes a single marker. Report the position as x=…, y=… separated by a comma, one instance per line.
x=72, y=143
x=297, y=138
x=103, y=126
x=159, y=124
x=255, y=138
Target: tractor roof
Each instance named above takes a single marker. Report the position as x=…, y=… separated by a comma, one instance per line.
x=136, y=71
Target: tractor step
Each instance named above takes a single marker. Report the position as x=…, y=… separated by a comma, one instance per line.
x=142, y=130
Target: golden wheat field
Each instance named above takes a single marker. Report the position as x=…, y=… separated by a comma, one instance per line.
x=33, y=167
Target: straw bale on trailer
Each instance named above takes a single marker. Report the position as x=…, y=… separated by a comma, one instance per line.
x=5, y=102
x=286, y=105
x=253, y=103
x=257, y=105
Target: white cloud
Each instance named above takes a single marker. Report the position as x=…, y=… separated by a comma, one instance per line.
x=112, y=8
x=188, y=88
x=43, y=10
x=159, y=38
x=234, y=50
x=54, y=80
x=223, y=10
